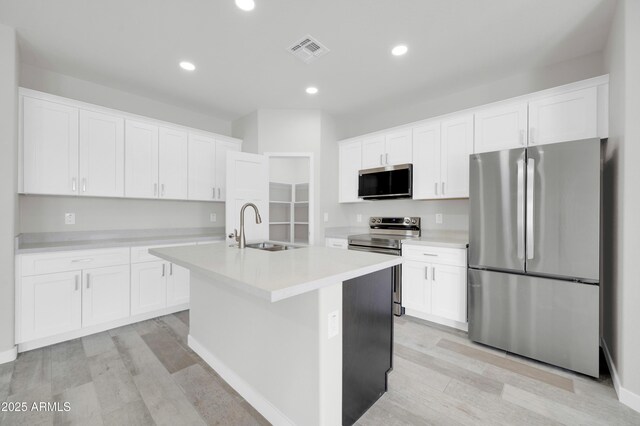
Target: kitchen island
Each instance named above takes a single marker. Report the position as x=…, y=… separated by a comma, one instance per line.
x=303, y=335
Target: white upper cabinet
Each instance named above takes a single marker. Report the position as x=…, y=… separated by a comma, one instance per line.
x=202, y=163
x=173, y=164
x=564, y=117
x=349, y=164
x=501, y=127
x=373, y=152
x=398, y=147
x=101, y=154
x=50, y=147
x=426, y=161
x=141, y=165
x=222, y=147
x=456, y=146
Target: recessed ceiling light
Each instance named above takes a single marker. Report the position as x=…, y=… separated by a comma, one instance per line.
x=399, y=50
x=312, y=90
x=187, y=66
x=246, y=4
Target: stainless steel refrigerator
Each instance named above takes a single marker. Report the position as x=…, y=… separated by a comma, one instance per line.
x=534, y=252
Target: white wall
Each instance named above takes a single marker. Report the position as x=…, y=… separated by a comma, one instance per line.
x=8, y=181
x=621, y=284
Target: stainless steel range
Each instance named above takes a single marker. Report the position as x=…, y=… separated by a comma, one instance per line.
x=385, y=236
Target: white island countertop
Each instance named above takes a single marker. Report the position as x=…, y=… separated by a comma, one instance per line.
x=276, y=275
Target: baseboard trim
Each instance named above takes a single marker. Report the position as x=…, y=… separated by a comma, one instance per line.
x=625, y=396
x=253, y=397
x=463, y=326
x=8, y=356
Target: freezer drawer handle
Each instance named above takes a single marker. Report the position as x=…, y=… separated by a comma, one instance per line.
x=531, y=165
x=520, y=210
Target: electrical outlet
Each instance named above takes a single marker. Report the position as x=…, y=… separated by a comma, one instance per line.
x=358, y=218
x=333, y=328
x=326, y=217
x=439, y=218
x=69, y=218
x=213, y=217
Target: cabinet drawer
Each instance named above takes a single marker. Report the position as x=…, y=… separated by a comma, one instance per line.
x=141, y=254
x=340, y=243
x=46, y=263
x=437, y=255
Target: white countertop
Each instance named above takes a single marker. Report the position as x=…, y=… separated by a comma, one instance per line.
x=276, y=275
x=447, y=239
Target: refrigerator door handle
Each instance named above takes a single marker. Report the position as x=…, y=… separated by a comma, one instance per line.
x=531, y=165
x=520, y=210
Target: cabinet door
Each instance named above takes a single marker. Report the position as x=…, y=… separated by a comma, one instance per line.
x=398, y=147
x=202, y=163
x=349, y=163
x=50, y=147
x=373, y=151
x=50, y=304
x=105, y=294
x=416, y=287
x=456, y=145
x=426, y=161
x=173, y=164
x=148, y=287
x=177, y=285
x=222, y=147
x=449, y=292
x=566, y=117
x=141, y=160
x=101, y=154
x=501, y=127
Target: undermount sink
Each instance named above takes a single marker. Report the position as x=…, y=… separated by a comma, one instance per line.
x=271, y=246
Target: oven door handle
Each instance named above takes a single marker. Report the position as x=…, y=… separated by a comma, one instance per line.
x=393, y=252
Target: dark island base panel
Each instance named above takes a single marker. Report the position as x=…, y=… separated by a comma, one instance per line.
x=367, y=341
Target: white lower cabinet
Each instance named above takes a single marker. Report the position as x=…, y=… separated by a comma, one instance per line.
x=105, y=294
x=148, y=287
x=434, y=284
x=50, y=304
x=178, y=289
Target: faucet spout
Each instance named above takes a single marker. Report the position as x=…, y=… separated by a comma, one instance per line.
x=242, y=243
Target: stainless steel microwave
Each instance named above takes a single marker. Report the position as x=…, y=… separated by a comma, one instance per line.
x=387, y=182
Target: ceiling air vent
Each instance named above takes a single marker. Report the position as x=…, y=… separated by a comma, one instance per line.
x=308, y=49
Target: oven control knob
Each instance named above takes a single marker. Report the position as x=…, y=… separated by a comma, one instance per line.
x=406, y=220
x=413, y=221
x=372, y=220
x=378, y=220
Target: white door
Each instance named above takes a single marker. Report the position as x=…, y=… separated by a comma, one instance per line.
x=349, y=163
x=416, y=291
x=105, y=294
x=399, y=149
x=247, y=182
x=101, y=154
x=501, y=127
x=202, y=164
x=449, y=292
x=426, y=161
x=456, y=145
x=178, y=279
x=173, y=164
x=566, y=117
x=141, y=160
x=373, y=151
x=50, y=147
x=148, y=287
x=222, y=147
x=50, y=304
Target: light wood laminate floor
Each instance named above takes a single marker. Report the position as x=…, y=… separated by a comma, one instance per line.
x=146, y=374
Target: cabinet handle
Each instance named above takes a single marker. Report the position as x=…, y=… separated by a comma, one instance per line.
x=442, y=188
x=163, y=265
x=430, y=254
x=155, y=189
x=73, y=184
x=436, y=185
x=522, y=137
x=76, y=283
x=84, y=184
x=213, y=192
x=218, y=193
x=88, y=281
x=426, y=272
x=531, y=135
x=171, y=269
x=381, y=163
x=386, y=158
x=162, y=189
x=433, y=274
x=88, y=259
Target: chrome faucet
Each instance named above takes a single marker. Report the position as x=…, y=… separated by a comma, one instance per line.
x=240, y=239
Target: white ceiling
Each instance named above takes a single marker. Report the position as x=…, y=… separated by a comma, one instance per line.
x=242, y=63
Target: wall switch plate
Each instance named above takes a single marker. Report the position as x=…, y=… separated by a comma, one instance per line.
x=326, y=217
x=358, y=218
x=213, y=217
x=69, y=218
x=334, y=324
x=439, y=218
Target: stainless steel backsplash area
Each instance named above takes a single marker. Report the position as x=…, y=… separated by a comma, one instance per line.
x=455, y=213
x=43, y=213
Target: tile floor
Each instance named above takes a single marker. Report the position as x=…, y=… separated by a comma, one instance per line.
x=146, y=374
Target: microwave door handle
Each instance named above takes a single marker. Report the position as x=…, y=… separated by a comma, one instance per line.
x=531, y=166
x=520, y=210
